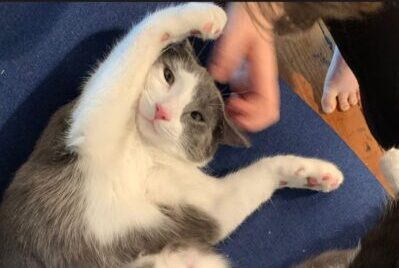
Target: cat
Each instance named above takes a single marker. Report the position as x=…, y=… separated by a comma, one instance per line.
x=115, y=179
x=380, y=246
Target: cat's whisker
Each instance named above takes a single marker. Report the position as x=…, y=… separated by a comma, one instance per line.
x=226, y=94
x=149, y=97
x=168, y=132
x=215, y=105
x=208, y=170
x=193, y=42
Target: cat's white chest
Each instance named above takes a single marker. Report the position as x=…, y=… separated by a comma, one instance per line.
x=116, y=200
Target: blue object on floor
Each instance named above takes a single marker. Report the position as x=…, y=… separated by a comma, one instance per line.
x=47, y=49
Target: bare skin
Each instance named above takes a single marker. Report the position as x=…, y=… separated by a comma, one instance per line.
x=245, y=57
x=340, y=86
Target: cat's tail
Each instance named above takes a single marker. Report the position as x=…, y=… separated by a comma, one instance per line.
x=390, y=168
x=182, y=255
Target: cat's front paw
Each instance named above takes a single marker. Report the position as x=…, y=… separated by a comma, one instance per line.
x=203, y=20
x=314, y=174
x=213, y=20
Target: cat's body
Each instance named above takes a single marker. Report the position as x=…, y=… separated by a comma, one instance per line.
x=45, y=202
x=114, y=179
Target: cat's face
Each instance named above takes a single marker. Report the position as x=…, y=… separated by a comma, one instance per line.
x=181, y=111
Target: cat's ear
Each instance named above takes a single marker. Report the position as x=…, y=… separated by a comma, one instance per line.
x=187, y=46
x=231, y=136
x=183, y=47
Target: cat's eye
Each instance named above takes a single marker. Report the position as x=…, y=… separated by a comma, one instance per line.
x=169, y=77
x=197, y=116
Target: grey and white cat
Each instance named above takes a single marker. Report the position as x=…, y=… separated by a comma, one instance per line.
x=114, y=180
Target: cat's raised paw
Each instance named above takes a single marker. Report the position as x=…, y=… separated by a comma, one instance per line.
x=208, y=20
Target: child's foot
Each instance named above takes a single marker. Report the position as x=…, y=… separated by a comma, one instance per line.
x=341, y=84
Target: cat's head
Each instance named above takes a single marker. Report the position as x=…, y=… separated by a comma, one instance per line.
x=181, y=111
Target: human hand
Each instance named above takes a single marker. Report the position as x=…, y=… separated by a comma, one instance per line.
x=245, y=57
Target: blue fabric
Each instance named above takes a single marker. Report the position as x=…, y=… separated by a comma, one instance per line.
x=47, y=49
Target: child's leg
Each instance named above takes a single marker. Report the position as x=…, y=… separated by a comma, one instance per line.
x=370, y=47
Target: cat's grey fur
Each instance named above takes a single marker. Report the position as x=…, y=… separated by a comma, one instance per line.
x=202, y=139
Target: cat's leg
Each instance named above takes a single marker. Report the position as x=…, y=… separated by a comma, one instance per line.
x=105, y=110
x=242, y=192
x=181, y=256
x=229, y=201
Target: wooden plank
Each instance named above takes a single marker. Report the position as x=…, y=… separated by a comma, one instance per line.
x=303, y=62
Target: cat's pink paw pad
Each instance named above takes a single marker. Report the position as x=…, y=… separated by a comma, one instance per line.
x=207, y=27
x=195, y=32
x=326, y=177
x=283, y=183
x=165, y=37
x=331, y=181
x=312, y=182
x=326, y=182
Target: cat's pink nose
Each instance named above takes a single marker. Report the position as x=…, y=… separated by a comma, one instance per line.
x=161, y=113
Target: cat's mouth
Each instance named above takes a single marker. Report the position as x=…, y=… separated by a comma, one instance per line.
x=150, y=121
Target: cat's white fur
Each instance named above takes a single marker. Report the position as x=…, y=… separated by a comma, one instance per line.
x=390, y=167
x=129, y=168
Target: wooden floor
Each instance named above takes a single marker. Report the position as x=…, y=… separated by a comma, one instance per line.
x=303, y=63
